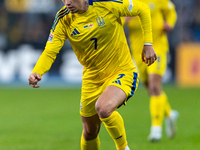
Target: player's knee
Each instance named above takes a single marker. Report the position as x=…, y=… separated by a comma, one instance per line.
x=103, y=112
x=90, y=134
x=154, y=90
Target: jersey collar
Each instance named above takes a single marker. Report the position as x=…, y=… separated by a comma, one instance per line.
x=90, y=2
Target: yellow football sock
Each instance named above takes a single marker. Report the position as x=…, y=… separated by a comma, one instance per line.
x=115, y=126
x=167, y=105
x=90, y=145
x=157, y=109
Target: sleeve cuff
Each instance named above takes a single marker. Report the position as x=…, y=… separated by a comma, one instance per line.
x=148, y=44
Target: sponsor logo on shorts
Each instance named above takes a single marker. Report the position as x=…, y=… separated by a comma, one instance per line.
x=118, y=79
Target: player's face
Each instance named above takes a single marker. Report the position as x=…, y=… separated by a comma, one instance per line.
x=73, y=5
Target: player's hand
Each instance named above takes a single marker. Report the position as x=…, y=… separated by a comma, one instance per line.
x=33, y=79
x=148, y=55
x=166, y=27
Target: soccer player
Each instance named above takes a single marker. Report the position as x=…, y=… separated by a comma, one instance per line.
x=163, y=16
x=109, y=79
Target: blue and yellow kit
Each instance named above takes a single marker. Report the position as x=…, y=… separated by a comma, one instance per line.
x=98, y=40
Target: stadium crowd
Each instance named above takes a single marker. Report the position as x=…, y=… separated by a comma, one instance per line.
x=25, y=27
x=33, y=27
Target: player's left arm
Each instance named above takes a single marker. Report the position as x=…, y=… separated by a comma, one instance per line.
x=170, y=15
x=142, y=10
x=132, y=8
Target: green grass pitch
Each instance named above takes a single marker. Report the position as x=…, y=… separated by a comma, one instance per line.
x=48, y=119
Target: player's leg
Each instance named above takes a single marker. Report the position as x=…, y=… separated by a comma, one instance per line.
x=157, y=106
x=158, y=99
x=90, y=92
x=171, y=117
x=90, y=139
x=117, y=90
x=106, y=105
x=153, y=83
x=168, y=108
x=160, y=108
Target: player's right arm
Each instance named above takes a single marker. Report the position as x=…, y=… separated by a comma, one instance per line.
x=55, y=42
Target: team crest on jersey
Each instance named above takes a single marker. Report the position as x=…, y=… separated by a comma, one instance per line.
x=100, y=22
x=50, y=39
x=89, y=26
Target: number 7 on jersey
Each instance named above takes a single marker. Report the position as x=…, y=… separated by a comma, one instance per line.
x=95, y=42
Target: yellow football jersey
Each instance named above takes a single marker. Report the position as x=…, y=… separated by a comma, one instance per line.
x=96, y=36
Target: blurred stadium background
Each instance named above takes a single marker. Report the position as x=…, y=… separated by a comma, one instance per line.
x=24, y=29
x=48, y=118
